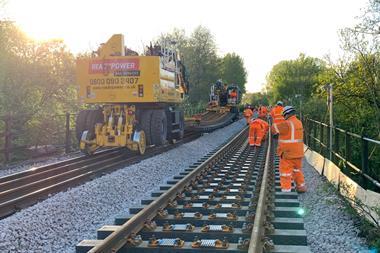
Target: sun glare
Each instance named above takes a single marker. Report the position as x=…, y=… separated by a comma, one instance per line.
x=42, y=20
x=38, y=32
x=260, y=31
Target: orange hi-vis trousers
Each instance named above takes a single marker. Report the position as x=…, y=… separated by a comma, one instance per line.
x=256, y=134
x=291, y=169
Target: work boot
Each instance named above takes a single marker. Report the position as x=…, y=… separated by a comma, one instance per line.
x=301, y=189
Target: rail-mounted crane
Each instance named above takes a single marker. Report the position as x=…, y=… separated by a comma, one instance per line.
x=137, y=97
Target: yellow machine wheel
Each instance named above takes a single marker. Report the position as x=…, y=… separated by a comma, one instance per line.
x=89, y=149
x=142, y=142
x=139, y=142
x=85, y=147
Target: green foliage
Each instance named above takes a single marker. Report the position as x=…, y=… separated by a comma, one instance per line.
x=357, y=95
x=359, y=82
x=191, y=109
x=37, y=79
x=202, y=63
x=233, y=71
x=203, y=66
x=199, y=57
x=315, y=108
x=292, y=79
x=356, y=85
x=255, y=99
x=36, y=83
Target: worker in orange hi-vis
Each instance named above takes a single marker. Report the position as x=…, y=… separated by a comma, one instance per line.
x=290, y=150
x=233, y=96
x=248, y=113
x=276, y=112
x=263, y=111
x=257, y=131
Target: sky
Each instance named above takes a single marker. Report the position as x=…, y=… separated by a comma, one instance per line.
x=262, y=32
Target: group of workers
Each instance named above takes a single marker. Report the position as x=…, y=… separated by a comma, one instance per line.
x=223, y=94
x=289, y=131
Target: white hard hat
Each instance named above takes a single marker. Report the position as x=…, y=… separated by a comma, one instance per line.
x=280, y=103
x=288, y=109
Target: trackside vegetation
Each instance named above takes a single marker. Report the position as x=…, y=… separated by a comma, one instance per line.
x=38, y=83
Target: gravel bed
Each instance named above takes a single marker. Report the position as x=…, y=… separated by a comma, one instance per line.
x=37, y=162
x=329, y=227
x=60, y=222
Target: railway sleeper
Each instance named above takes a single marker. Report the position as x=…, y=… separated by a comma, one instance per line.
x=289, y=234
x=225, y=173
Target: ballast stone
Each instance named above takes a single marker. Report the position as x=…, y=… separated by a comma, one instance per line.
x=329, y=228
x=58, y=223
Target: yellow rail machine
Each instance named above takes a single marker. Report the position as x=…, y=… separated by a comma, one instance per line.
x=137, y=97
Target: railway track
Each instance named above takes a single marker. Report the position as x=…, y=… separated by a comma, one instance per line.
x=26, y=188
x=211, y=116
x=229, y=201
x=210, y=121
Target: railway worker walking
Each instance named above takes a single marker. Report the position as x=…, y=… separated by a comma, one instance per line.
x=257, y=131
x=248, y=113
x=276, y=112
x=263, y=111
x=290, y=150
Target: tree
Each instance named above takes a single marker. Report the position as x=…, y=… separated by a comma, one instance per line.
x=362, y=46
x=293, y=80
x=204, y=67
x=36, y=82
x=202, y=63
x=177, y=37
x=255, y=99
x=233, y=70
x=354, y=106
x=370, y=20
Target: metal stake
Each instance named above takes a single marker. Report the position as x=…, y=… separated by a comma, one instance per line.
x=329, y=88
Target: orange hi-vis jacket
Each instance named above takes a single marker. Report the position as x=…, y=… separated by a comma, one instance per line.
x=256, y=131
x=233, y=94
x=276, y=114
x=263, y=111
x=265, y=125
x=290, y=139
x=248, y=113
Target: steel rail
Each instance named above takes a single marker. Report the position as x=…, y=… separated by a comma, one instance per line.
x=15, y=184
x=67, y=162
x=255, y=245
x=29, y=193
x=119, y=238
x=212, y=125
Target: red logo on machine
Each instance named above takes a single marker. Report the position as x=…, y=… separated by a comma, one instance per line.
x=113, y=65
